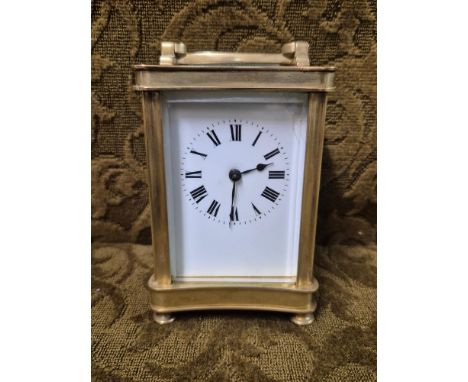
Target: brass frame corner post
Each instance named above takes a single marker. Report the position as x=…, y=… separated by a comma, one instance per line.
x=285, y=72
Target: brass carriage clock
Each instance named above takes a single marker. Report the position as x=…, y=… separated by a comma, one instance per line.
x=234, y=146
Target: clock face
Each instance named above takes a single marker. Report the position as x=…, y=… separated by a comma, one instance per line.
x=234, y=165
x=235, y=172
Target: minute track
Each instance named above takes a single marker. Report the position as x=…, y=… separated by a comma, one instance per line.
x=247, y=144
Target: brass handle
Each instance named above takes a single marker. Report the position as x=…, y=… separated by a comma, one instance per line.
x=294, y=53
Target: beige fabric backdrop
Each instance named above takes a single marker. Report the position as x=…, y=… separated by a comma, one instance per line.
x=234, y=346
x=340, y=33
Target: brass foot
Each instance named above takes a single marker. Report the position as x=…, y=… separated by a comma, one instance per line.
x=163, y=318
x=303, y=318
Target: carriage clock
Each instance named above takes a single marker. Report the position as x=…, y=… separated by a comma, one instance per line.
x=234, y=146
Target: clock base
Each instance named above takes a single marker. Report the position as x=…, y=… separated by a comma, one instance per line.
x=163, y=318
x=176, y=297
x=303, y=319
x=298, y=319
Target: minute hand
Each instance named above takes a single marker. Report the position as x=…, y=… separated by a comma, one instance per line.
x=260, y=167
x=233, y=195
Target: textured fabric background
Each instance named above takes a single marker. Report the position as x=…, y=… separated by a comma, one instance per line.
x=341, y=344
x=340, y=33
x=234, y=346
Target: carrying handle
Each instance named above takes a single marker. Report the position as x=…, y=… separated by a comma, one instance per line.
x=294, y=53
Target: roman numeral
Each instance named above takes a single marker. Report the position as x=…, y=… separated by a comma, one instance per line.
x=214, y=138
x=257, y=211
x=199, y=194
x=197, y=153
x=256, y=138
x=236, y=132
x=213, y=208
x=193, y=174
x=270, y=194
x=271, y=154
x=234, y=215
x=275, y=174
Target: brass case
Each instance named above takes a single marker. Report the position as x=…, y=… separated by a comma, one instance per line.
x=168, y=296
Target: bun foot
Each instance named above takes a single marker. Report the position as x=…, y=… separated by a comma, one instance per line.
x=163, y=318
x=303, y=318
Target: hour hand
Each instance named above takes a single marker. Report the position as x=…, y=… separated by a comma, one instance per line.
x=260, y=167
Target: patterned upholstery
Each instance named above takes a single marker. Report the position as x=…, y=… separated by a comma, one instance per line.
x=341, y=344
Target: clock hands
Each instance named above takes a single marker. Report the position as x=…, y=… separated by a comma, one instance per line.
x=260, y=167
x=234, y=175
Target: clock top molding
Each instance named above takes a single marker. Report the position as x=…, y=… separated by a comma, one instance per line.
x=288, y=71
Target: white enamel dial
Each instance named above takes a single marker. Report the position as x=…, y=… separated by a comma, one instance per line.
x=234, y=167
x=235, y=172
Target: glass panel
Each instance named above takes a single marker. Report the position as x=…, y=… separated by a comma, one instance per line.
x=234, y=169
